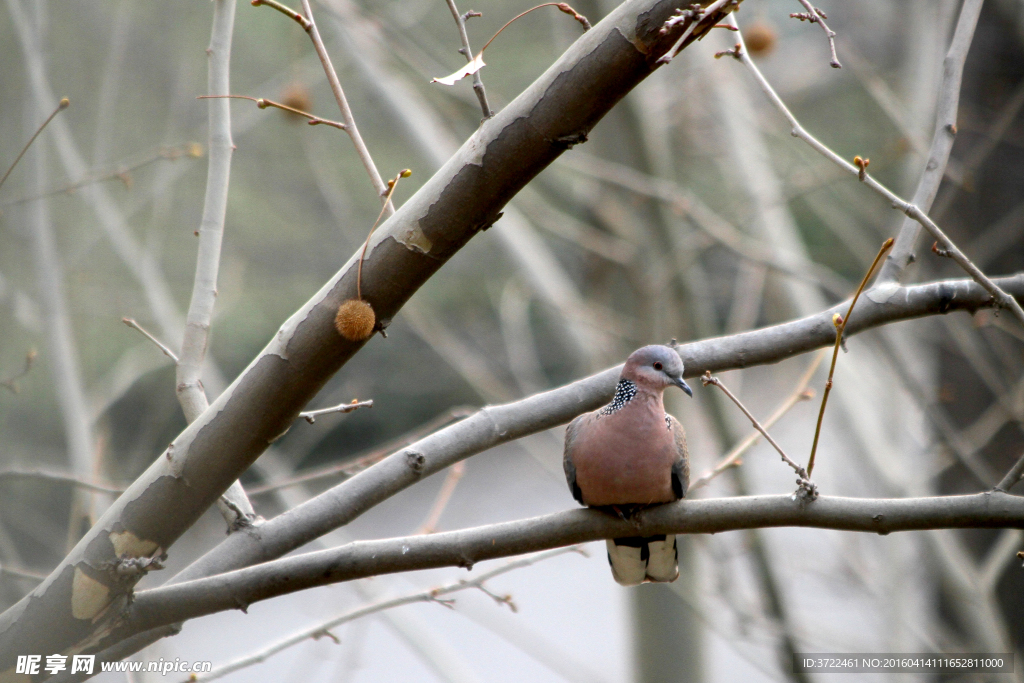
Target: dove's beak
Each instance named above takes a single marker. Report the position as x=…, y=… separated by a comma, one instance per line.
x=681, y=383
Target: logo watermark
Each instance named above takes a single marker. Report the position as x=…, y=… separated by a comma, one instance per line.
x=55, y=664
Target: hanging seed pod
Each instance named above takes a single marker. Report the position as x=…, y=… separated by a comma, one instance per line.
x=355, y=320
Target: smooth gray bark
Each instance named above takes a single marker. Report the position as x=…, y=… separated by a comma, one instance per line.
x=76, y=604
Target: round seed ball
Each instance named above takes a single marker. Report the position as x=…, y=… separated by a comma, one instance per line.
x=760, y=38
x=355, y=320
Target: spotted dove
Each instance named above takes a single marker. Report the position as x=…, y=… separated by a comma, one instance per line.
x=631, y=454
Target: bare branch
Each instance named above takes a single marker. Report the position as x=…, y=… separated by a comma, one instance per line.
x=311, y=415
x=81, y=482
x=942, y=140
x=465, y=548
x=693, y=16
x=500, y=424
x=21, y=573
x=64, y=104
x=807, y=491
x=189, y=387
x=840, y=325
x=323, y=628
x=302, y=21
x=1012, y=477
x=358, y=464
x=816, y=16
x=122, y=172
x=346, y=112
x=1001, y=298
x=478, y=84
x=448, y=210
x=706, y=220
x=992, y=138
x=429, y=525
x=263, y=103
x=163, y=347
x=234, y=505
x=732, y=458
x=476, y=63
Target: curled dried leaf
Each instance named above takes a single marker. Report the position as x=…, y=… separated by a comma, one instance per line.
x=471, y=68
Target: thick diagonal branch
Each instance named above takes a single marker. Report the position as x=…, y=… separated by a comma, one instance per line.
x=463, y=198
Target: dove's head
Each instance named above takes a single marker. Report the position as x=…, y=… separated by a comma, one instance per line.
x=655, y=367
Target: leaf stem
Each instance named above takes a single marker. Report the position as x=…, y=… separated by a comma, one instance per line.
x=840, y=328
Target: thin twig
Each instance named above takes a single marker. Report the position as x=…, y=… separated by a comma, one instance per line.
x=346, y=112
x=163, y=347
x=311, y=415
x=476, y=63
x=807, y=490
x=63, y=478
x=12, y=382
x=696, y=15
x=302, y=21
x=122, y=173
x=732, y=458
x=705, y=219
x=1015, y=474
x=560, y=5
x=263, y=103
x=840, y=325
x=392, y=184
x=361, y=462
x=64, y=104
x=478, y=84
x=430, y=595
x=429, y=525
x=816, y=16
x=999, y=296
x=21, y=573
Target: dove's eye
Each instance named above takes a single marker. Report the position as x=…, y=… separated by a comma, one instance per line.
x=657, y=365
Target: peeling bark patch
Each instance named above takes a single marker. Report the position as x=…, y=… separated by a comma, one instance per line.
x=412, y=237
x=127, y=544
x=882, y=292
x=89, y=597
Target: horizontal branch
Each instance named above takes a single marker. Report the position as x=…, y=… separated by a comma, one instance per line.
x=494, y=425
x=71, y=608
x=464, y=548
x=430, y=595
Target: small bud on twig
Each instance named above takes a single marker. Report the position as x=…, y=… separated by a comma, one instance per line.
x=862, y=166
x=735, y=53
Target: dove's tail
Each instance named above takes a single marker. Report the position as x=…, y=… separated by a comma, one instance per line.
x=639, y=559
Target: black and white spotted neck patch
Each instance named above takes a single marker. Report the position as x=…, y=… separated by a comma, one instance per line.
x=624, y=393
